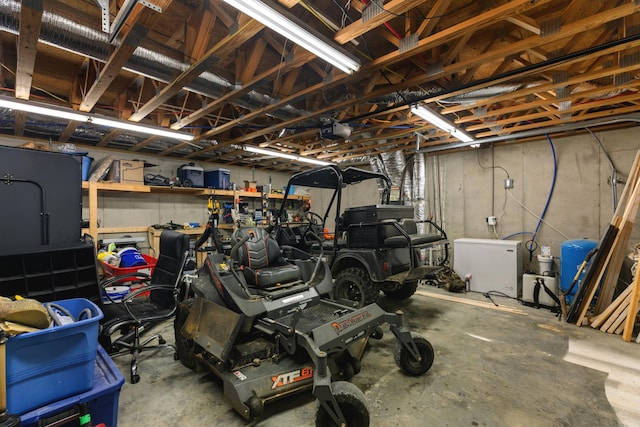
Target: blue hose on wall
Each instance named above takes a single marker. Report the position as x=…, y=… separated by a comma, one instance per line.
x=531, y=247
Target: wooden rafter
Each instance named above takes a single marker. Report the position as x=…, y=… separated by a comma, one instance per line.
x=30, y=23
x=358, y=28
x=225, y=46
x=138, y=23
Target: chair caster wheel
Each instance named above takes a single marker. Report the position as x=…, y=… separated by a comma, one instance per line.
x=135, y=379
x=162, y=341
x=176, y=356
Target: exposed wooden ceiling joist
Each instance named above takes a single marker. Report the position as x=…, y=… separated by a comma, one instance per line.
x=212, y=71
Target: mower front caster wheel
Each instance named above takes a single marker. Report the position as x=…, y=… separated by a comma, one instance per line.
x=256, y=407
x=409, y=364
x=352, y=403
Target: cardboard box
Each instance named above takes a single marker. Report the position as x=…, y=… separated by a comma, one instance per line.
x=132, y=171
x=127, y=172
x=250, y=185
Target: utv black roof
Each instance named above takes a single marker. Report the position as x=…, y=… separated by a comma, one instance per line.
x=333, y=177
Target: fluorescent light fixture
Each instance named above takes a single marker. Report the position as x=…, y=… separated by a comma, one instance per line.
x=277, y=21
x=62, y=113
x=440, y=122
x=280, y=154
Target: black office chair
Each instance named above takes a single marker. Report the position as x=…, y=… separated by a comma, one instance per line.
x=135, y=313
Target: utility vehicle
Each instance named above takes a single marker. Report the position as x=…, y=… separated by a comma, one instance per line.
x=374, y=248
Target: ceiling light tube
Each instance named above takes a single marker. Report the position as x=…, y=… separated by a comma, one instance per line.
x=280, y=154
x=62, y=113
x=277, y=21
x=440, y=122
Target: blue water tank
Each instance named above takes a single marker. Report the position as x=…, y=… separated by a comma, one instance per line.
x=572, y=253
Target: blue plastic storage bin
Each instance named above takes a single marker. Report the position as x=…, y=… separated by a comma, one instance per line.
x=217, y=178
x=102, y=399
x=53, y=363
x=86, y=167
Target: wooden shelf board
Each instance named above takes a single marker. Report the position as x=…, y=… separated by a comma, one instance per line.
x=107, y=230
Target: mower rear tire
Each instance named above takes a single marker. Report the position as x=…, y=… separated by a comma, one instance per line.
x=410, y=365
x=353, y=405
x=354, y=284
x=405, y=291
x=185, y=348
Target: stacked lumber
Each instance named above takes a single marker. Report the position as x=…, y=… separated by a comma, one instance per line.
x=619, y=315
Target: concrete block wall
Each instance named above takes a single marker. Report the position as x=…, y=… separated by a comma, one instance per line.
x=469, y=190
x=581, y=205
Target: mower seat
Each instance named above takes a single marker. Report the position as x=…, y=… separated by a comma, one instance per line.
x=260, y=259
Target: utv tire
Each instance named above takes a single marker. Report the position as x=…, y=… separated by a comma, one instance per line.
x=403, y=292
x=185, y=348
x=409, y=364
x=353, y=405
x=353, y=284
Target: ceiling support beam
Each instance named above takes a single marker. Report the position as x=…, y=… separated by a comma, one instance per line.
x=486, y=18
x=139, y=22
x=30, y=23
x=360, y=27
x=20, y=118
x=433, y=17
x=68, y=131
x=300, y=58
x=225, y=47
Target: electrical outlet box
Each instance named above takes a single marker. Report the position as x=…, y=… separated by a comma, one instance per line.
x=492, y=220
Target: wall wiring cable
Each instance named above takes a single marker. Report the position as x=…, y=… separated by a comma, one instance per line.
x=495, y=232
x=536, y=216
x=490, y=167
x=614, y=171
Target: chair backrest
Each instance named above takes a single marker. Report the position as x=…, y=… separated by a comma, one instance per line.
x=174, y=247
x=260, y=251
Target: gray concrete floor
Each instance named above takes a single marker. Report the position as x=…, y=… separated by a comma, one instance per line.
x=492, y=368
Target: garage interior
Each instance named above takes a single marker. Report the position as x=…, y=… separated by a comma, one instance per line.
x=505, y=123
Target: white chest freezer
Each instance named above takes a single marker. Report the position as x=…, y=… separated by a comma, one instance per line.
x=494, y=265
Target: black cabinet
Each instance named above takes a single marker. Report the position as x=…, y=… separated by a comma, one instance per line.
x=51, y=275
x=41, y=200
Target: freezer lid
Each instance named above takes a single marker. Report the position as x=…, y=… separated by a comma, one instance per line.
x=486, y=242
